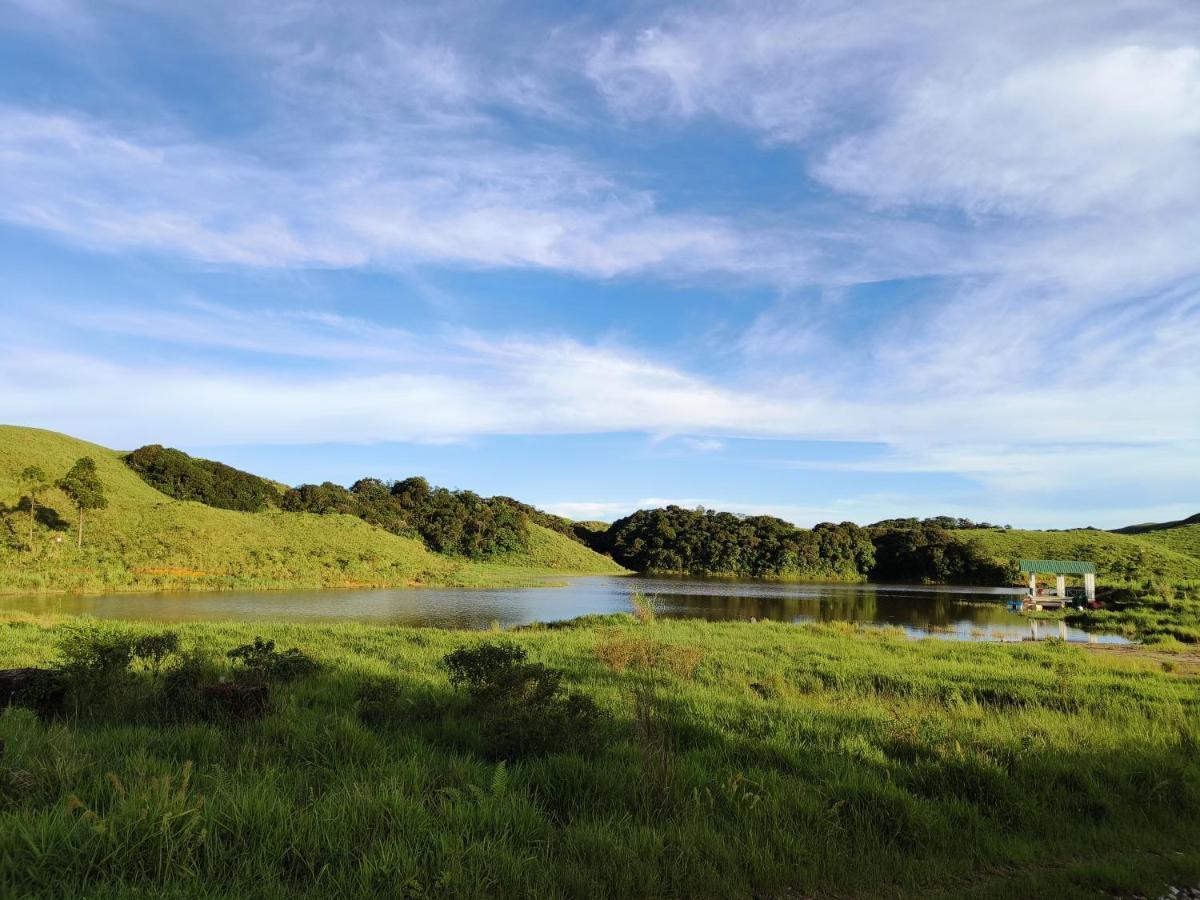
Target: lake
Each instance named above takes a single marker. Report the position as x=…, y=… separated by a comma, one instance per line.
x=961, y=613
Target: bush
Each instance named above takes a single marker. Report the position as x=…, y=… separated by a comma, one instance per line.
x=98, y=653
x=261, y=662
x=152, y=650
x=645, y=607
x=475, y=667
x=181, y=693
x=522, y=708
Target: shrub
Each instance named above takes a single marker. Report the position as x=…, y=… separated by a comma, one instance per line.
x=522, y=708
x=99, y=653
x=152, y=650
x=95, y=667
x=181, y=693
x=261, y=662
x=475, y=667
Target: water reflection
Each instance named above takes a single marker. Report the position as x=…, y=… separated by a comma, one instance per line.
x=950, y=612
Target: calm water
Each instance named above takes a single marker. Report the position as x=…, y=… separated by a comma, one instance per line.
x=949, y=612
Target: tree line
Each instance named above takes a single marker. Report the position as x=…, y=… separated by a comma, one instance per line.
x=705, y=542
x=668, y=540
x=185, y=477
x=459, y=522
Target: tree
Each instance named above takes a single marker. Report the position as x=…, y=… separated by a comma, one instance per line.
x=34, y=481
x=83, y=486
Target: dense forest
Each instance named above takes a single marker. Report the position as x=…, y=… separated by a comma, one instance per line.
x=704, y=542
x=668, y=540
x=700, y=541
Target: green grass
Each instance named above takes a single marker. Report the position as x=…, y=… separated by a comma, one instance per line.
x=147, y=541
x=1185, y=539
x=1119, y=558
x=1152, y=613
x=762, y=760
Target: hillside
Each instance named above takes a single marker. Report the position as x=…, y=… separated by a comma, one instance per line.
x=1146, y=527
x=1118, y=557
x=1180, y=536
x=146, y=541
x=1182, y=539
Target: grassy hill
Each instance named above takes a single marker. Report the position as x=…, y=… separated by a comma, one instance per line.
x=147, y=541
x=1183, y=539
x=1118, y=557
x=1181, y=536
x=1145, y=527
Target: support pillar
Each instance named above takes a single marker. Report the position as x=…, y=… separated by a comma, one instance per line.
x=1033, y=584
x=1060, y=585
x=1089, y=586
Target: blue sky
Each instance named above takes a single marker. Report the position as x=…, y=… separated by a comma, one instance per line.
x=828, y=260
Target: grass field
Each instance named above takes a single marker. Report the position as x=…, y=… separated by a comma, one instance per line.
x=736, y=760
x=1119, y=558
x=147, y=541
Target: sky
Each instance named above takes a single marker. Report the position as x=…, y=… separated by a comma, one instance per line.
x=825, y=260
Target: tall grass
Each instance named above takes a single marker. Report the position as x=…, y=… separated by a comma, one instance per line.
x=779, y=761
x=645, y=606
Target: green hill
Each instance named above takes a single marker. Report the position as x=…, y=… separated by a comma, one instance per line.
x=1118, y=557
x=145, y=540
x=1145, y=527
x=1181, y=539
x=1181, y=536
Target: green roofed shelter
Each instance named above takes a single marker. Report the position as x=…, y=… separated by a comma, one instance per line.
x=1060, y=568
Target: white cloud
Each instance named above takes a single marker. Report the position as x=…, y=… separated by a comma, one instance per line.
x=1113, y=130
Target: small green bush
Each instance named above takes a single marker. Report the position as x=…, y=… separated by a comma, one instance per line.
x=152, y=650
x=180, y=696
x=100, y=652
x=261, y=662
x=476, y=667
x=521, y=707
